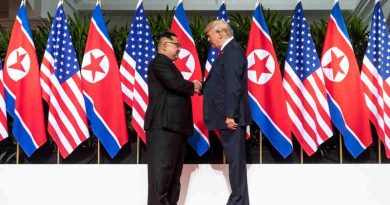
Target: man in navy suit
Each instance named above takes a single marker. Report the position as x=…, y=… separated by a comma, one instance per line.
x=225, y=104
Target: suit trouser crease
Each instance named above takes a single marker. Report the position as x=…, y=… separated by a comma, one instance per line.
x=233, y=143
x=165, y=153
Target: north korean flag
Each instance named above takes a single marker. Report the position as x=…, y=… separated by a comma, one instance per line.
x=22, y=87
x=342, y=80
x=102, y=88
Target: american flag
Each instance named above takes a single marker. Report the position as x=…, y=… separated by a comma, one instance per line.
x=61, y=85
x=139, y=51
x=376, y=76
x=213, y=52
x=3, y=114
x=304, y=86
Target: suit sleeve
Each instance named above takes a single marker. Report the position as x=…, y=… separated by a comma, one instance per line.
x=234, y=66
x=171, y=80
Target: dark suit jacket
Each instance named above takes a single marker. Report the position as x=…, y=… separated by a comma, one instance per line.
x=226, y=89
x=169, y=98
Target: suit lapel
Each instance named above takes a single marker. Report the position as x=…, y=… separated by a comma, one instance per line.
x=213, y=67
x=219, y=58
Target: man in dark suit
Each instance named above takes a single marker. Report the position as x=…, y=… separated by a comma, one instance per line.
x=168, y=122
x=225, y=104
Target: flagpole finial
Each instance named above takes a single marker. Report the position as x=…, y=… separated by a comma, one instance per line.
x=60, y=2
x=139, y=3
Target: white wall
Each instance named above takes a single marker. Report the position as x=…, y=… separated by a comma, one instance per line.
x=202, y=184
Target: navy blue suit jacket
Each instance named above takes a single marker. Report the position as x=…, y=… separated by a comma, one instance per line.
x=225, y=89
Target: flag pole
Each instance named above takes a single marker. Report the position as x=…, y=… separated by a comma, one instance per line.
x=341, y=148
x=301, y=155
x=379, y=151
x=138, y=145
x=98, y=152
x=224, y=158
x=58, y=152
x=261, y=147
x=17, y=152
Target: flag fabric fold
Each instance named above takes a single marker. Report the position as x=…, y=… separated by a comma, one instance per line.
x=61, y=87
x=343, y=86
x=139, y=51
x=213, y=52
x=22, y=88
x=375, y=76
x=189, y=65
x=3, y=113
x=305, y=87
x=266, y=95
x=102, y=88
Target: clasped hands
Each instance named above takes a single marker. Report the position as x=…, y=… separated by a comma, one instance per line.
x=197, y=87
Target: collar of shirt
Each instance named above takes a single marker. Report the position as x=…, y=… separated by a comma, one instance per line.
x=226, y=42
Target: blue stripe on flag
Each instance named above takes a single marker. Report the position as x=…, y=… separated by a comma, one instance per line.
x=258, y=15
x=338, y=16
x=274, y=136
x=23, y=138
x=182, y=18
x=350, y=141
x=98, y=17
x=22, y=14
x=199, y=144
x=20, y=133
x=100, y=130
x=10, y=103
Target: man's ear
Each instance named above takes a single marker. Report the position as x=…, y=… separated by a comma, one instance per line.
x=163, y=47
x=220, y=35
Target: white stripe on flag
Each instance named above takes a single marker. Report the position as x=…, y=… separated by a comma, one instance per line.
x=76, y=91
x=299, y=125
x=64, y=119
x=60, y=135
x=26, y=128
x=73, y=110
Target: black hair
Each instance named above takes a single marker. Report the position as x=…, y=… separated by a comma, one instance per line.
x=166, y=34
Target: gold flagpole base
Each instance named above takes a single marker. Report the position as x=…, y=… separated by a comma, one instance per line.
x=261, y=147
x=138, y=149
x=341, y=148
x=98, y=152
x=17, y=153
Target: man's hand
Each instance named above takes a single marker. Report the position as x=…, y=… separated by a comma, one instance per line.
x=230, y=123
x=197, y=86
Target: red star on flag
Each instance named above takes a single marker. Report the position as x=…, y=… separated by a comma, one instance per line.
x=18, y=65
x=181, y=64
x=334, y=64
x=260, y=64
x=94, y=66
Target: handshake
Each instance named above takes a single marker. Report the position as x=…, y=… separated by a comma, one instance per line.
x=197, y=87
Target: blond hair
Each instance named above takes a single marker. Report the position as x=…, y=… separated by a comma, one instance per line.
x=220, y=26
